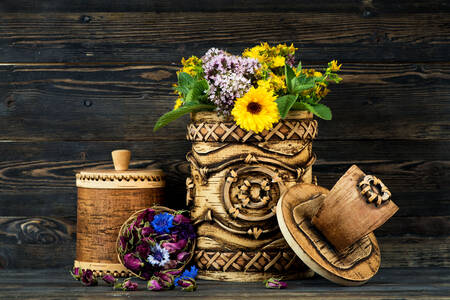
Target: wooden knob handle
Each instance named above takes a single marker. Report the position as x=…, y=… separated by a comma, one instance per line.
x=121, y=159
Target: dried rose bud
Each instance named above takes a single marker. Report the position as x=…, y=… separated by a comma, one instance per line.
x=126, y=285
x=182, y=256
x=76, y=273
x=173, y=247
x=187, y=284
x=146, y=231
x=173, y=272
x=132, y=262
x=129, y=285
x=109, y=279
x=154, y=285
x=165, y=279
x=88, y=278
x=181, y=219
x=274, y=283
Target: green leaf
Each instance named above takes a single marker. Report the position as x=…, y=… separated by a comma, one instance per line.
x=198, y=92
x=299, y=67
x=185, y=80
x=320, y=110
x=299, y=106
x=175, y=114
x=301, y=83
x=290, y=74
x=285, y=103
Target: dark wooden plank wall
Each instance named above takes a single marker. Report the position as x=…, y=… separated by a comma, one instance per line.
x=80, y=78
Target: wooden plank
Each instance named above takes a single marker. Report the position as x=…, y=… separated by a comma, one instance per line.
x=326, y=150
x=31, y=242
x=47, y=188
x=123, y=101
x=165, y=37
x=376, y=6
x=392, y=283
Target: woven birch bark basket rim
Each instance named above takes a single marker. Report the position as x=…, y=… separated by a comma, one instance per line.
x=132, y=218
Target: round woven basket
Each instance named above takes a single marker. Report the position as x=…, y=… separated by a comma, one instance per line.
x=133, y=217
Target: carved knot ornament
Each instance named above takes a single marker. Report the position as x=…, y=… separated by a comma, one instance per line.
x=251, y=193
x=374, y=190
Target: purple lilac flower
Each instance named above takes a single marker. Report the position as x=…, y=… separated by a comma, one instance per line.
x=290, y=60
x=109, y=279
x=159, y=256
x=274, y=283
x=88, y=278
x=192, y=273
x=228, y=77
x=132, y=262
x=163, y=222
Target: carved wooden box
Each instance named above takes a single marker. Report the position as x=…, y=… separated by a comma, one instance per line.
x=236, y=180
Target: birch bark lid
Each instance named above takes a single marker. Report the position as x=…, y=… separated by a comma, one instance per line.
x=352, y=267
x=120, y=177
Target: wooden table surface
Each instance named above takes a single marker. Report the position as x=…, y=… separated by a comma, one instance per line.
x=391, y=283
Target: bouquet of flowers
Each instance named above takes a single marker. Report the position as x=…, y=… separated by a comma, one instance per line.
x=156, y=240
x=255, y=89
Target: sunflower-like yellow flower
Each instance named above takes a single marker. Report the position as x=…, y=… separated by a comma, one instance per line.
x=334, y=67
x=256, y=110
x=178, y=104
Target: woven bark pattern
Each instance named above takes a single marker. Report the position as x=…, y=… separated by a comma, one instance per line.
x=230, y=132
x=260, y=261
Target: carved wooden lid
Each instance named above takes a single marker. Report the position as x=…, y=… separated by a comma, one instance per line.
x=121, y=177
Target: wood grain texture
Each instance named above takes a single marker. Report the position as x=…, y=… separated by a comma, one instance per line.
x=39, y=243
x=396, y=283
x=165, y=37
x=367, y=8
x=47, y=188
x=123, y=101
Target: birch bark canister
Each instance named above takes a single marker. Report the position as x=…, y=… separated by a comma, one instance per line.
x=106, y=199
x=236, y=180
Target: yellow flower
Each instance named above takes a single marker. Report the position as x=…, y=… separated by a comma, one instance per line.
x=256, y=110
x=265, y=84
x=334, y=67
x=277, y=82
x=321, y=89
x=317, y=74
x=178, y=103
x=278, y=61
x=189, y=65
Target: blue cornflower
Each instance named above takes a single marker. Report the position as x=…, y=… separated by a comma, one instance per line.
x=192, y=273
x=159, y=256
x=163, y=222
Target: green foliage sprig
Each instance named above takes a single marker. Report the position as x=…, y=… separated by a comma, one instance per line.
x=194, y=94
